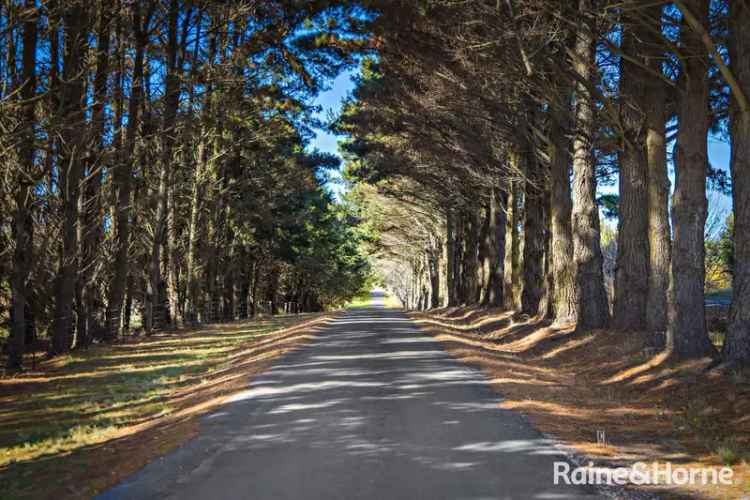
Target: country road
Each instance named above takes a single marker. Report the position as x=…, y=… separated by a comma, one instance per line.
x=371, y=409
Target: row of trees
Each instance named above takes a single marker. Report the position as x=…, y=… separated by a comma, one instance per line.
x=488, y=126
x=154, y=164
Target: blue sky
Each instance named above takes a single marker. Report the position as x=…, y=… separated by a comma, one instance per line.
x=330, y=101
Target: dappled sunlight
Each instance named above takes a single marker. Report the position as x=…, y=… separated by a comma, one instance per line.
x=498, y=321
x=109, y=393
x=532, y=446
x=372, y=395
x=374, y=320
x=389, y=355
x=575, y=383
x=409, y=340
x=631, y=372
x=574, y=344
x=262, y=391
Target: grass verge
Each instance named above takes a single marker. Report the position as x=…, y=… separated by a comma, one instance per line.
x=572, y=384
x=81, y=422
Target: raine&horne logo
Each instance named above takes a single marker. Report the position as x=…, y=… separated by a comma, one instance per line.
x=642, y=474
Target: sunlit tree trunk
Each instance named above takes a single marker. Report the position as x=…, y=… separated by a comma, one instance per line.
x=659, y=235
x=591, y=297
x=561, y=245
x=191, y=292
x=511, y=269
x=632, y=272
x=737, y=345
x=687, y=320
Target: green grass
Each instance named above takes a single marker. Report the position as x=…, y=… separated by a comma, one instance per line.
x=87, y=397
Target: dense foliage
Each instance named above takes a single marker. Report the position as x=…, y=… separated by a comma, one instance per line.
x=486, y=129
x=156, y=168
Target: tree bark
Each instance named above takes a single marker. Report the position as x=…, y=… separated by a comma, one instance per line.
x=561, y=258
x=434, y=270
x=511, y=269
x=470, y=277
x=592, y=309
x=533, y=236
x=659, y=231
x=22, y=222
x=71, y=168
x=92, y=216
x=496, y=247
x=631, y=275
x=450, y=243
x=687, y=332
x=171, y=103
x=485, y=241
x=736, y=348
x=122, y=182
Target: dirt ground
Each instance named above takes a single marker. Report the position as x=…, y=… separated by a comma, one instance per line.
x=573, y=384
x=78, y=424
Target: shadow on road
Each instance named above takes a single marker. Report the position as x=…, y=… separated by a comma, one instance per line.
x=371, y=409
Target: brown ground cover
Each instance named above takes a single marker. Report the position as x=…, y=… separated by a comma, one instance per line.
x=572, y=384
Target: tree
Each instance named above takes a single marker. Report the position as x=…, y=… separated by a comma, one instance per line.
x=591, y=298
x=687, y=322
x=737, y=345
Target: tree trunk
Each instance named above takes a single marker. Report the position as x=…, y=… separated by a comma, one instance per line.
x=196, y=202
x=122, y=183
x=659, y=235
x=254, y=290
x=631, y=275
x=737, y=345
x=511, y=269
x=71, y=169
x=92, y=216
x=154, y=304
x=485, y=242
x=434, y=269
x=171, y=102
x=561, y=251
x=173, y=269
x=450, y=243
x=496, y=248
x=471, y=257
x=533, y=236
x=591, y=297
x=687, y=331
x=458, y=259
x=22, y=222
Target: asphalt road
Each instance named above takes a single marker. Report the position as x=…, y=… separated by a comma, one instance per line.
x=372, y=409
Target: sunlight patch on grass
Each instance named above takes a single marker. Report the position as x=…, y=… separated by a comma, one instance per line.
x=90, y=396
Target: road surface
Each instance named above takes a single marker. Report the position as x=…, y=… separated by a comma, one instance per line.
x=372, y=409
